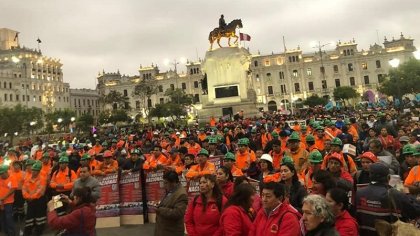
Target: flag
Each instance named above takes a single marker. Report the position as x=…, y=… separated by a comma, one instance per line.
x=244, y=37
x=93, y=129
x=39, y=40
x=16, y=36
x=329, y=106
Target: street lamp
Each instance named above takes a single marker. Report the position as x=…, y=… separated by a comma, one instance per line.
x=72, y=119
x=59, y=120
x=417, y=54
x=394, y=62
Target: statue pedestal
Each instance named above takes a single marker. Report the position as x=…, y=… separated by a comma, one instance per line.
x=230, y=88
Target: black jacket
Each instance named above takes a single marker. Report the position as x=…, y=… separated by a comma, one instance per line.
x=323, y=230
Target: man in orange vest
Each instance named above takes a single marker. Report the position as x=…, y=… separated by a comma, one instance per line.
x=244, y=156
x=8, y=185
x=33, y=191
x=108, y=166
x=229, y=162
x=276, y=154
x=315, y=161
x=298, y=154
x=156, y=160
x=203, y=166
x=62, y=180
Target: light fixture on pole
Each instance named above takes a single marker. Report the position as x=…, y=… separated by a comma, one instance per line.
x=394, y=62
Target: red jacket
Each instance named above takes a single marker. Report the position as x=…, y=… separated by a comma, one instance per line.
x=282, y=221
x=73, y=221
x=235, y=221
x=227, y=189
x=199, y=223
x=346, y=225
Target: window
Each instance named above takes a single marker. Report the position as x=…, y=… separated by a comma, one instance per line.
x=11, y=97
x=160, y=88
x=17, y=98
x=281, y=75
x=137, y=104
x=40, y=98
x=10, y=85
x=184, y=86
x=196, y=98
x=257, y=77
x=59, y=99
x=352, y=81
x=229, y=91
x=297, y=87
x=149, y=103
x=161, y=100
x=27, y=98
x=84, y=102
x=295, y=73
x=283, y=88
x=335, y=68
x=267, y=63
x=255, y=63
x=324, y=84
x=378, y=64
x=311, y=86
x=337, y=83
x=34, y=98
x=5, y=85
x=364, y=66
x=322, y=70
x=195, y=84
x=126, y=105
x=381, y=78
x=172, y=86
x=270, y=90
x=366, y=79
x=23, y=97
x=5, y=97
x=350, y=66
x=125, y=94
x=309, y=71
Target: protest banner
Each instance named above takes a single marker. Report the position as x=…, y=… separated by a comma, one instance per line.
x=131, y=202
x=107, y=207
x=155, y=191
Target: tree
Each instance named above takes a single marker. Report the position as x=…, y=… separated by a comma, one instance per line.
x=116, y=100
x=85, y=122
x=178, y=96
x=314, y=100
x=144, y=91
x=119, y=115
x=159, y=111
x=20, y=119
x=402, y=80
x=61, y=118
x=345, y=93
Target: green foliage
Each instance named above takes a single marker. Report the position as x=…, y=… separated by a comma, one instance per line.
x=345, y=93
x=314, y=100
x=159, y=111
x=85, y=122
x=103, y=117
x=119, y=115
x=116, y=98
x=402, y=80
x=179, y=96
x=144, y=91
x=18, y=119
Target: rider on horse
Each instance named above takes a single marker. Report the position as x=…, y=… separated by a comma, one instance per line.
x=222, y=23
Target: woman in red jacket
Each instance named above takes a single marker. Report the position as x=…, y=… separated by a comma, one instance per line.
x=236, y=218
x=204, y=211
x=277, y=217
x=345, y=224
x=224, y=179
x=81, y=220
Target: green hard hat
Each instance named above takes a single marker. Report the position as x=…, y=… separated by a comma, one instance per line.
x=310, y=138
x=212, y=140
x=203, y=152
x=409, y=149
x=37, y=166
x=3, y=169
x=315, y=157
x=230, y=156
x=63, y=159
x=303, y=127
x=311, y=122
x=294, y=137
x=226, y=130
x=319, y=127
x=136, y=151
x=63, y=149
x=29, y=162
x=337, y=141
x=243, y=141
x=104, y=144
x=274, y=134
x=85, y=157
x=46, y=155
x=254, y=130
x=114, y=140
x=347, y=121
x=220, y=138
x=287, y=159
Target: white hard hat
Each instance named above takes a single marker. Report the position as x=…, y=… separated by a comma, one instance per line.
x=267, y=157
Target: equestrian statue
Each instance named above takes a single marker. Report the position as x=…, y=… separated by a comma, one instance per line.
x=225, y=30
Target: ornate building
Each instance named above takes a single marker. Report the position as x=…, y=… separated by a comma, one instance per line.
x=29, y=78
x=85, y=101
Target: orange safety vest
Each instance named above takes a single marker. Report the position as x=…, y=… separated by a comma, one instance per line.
x=64, y=177
x=197, y=171
x=34, y=188
x=244, y=160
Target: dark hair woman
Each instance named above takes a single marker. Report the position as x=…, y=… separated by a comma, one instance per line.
x=322, y=182
x=345, y=224
x=225, y=180
x=81, y=220
x=295, y=189
x=204, y=211
x=236, y=219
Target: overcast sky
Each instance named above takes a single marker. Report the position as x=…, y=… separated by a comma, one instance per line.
x=91, y=35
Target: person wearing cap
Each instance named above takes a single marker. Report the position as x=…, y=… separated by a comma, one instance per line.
x=108, y=166
x=46, y=165
x=409, y=160
x=86, y=180
x=335, y=165
x=337, y=148
x=298, y=154
x=412, y=182
x=403, y=140
x=376, y=147
x=62, y=180
x=266, y=167
x=373, y=202
x=28, y=168
x=269, y=146
x=33, y=191
x=8, y=186
x=265, y=137
x=213, y=149
x=244, y=156
x=134, y=163
x=174, y=161
x=310, y=143
x=203, y=166
x=229, y=162
x=276, y=154
x=202, y=135
x=331, y=128
x=16, y=172
x=156, y=160
x=38, y=153
x=362, y=176
x=320, y=138
x=315, y=161
x=192, y=145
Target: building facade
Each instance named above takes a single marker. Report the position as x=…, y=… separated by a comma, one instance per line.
x=85, y=101
x=29, y=78
x=279, y=79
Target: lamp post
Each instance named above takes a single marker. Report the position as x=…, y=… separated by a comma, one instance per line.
x=174, y=63
x=394, y=63
x=59, y=120
x=319, y=46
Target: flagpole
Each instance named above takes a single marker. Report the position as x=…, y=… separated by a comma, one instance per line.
x=287, y=76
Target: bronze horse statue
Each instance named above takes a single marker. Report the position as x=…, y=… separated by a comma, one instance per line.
x=228, y=32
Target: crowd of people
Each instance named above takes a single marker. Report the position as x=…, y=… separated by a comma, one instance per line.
x=311, y=173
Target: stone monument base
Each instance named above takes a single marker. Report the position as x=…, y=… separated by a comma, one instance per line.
x=219, y=110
